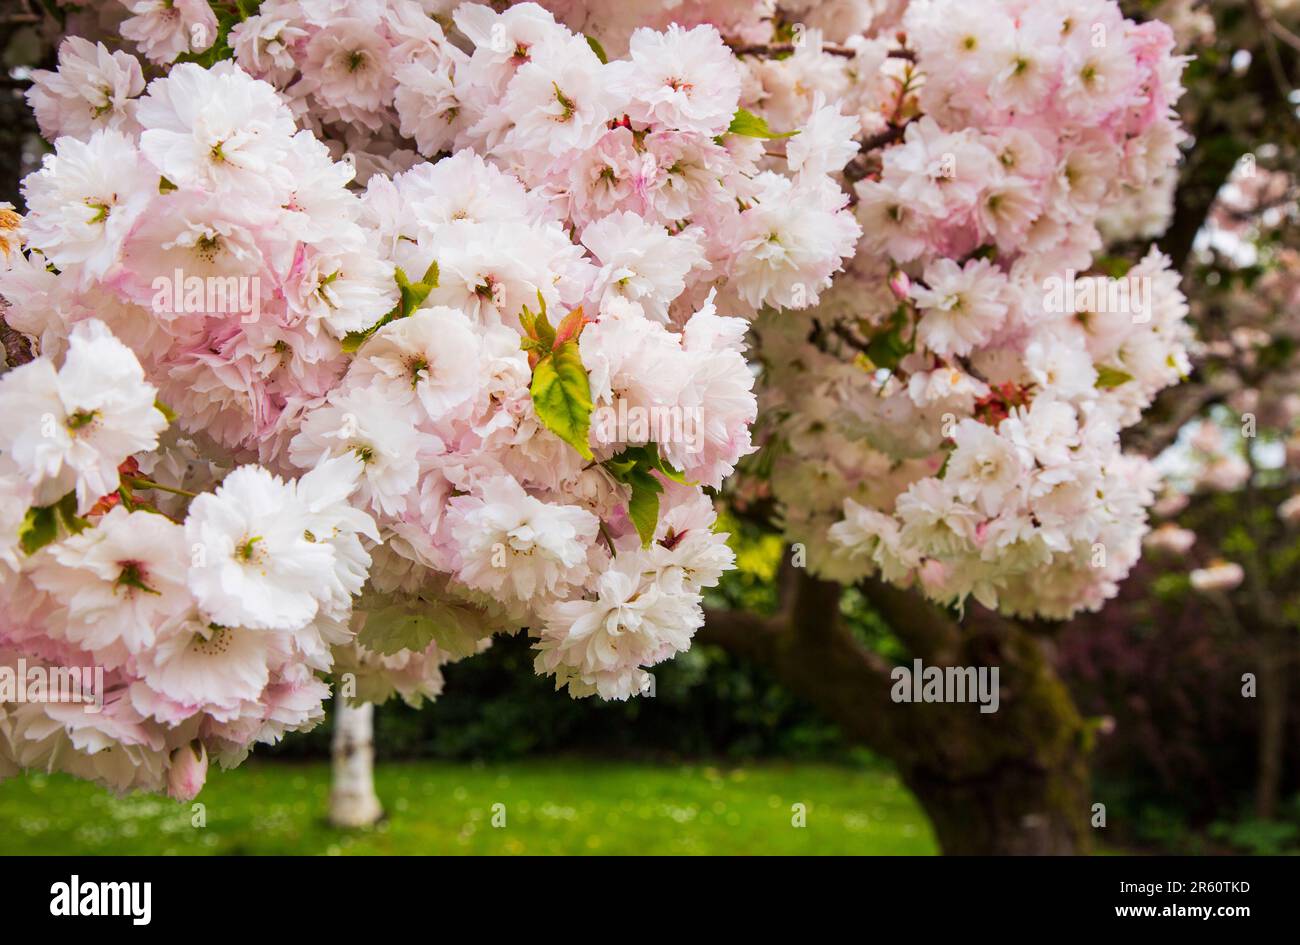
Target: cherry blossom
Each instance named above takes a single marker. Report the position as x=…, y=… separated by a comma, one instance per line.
x=370, y=329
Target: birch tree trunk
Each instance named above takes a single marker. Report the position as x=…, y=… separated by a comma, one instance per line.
x=353, y=802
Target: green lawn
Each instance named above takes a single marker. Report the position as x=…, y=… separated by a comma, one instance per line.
x=552, y=806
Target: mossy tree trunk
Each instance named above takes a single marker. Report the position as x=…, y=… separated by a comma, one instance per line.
x=1014, y=781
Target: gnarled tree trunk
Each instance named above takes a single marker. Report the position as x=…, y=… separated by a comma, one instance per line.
x=1014, y=781
x=353, y=802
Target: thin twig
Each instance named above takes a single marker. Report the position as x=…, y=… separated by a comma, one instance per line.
x=772, y=50
x=1284, y=83
x=604, y=533
x=879, y=140
x=842, y=332
x=137, y=482
x=1271, y=24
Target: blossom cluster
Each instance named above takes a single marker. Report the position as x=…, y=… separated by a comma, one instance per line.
x=209, y=630
x=385, y=84
x=370, y=328
x=973, y=368
x=281, y=425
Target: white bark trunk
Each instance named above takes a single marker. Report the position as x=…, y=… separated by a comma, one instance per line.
x=353, y=802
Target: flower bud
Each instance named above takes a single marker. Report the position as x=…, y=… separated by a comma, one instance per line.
x=188, y=771
x=899, y=284
x=1219, y=576
x=1169, y=537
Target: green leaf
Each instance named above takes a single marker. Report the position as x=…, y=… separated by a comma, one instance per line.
x=1108, y=377
x=619, y=467
x=540, y=336
x=749, y=125
x=457, y=630
x=887, y=347
x=166, y=411
x=943, y=470
x=40, y=527
x=412, y=294
x=598, y=49
x=1116, y=267
x=389, y=634
x=165, y=186
x=562, y=396
x=431, y=275
x=635, y=468
x=414, y=625
x=643, y=506
x=353, y=340
x=645, y=457
x=668, y=470
x=67, y=509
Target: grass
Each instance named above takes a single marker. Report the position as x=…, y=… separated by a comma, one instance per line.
x=551, y=806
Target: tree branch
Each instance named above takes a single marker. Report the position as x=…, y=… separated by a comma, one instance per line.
x=742, y=632
x=810, y=651
x=1268, y=25
x=1174, y=407
x=773, y=50
x=927, y=630
x=18, y=350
